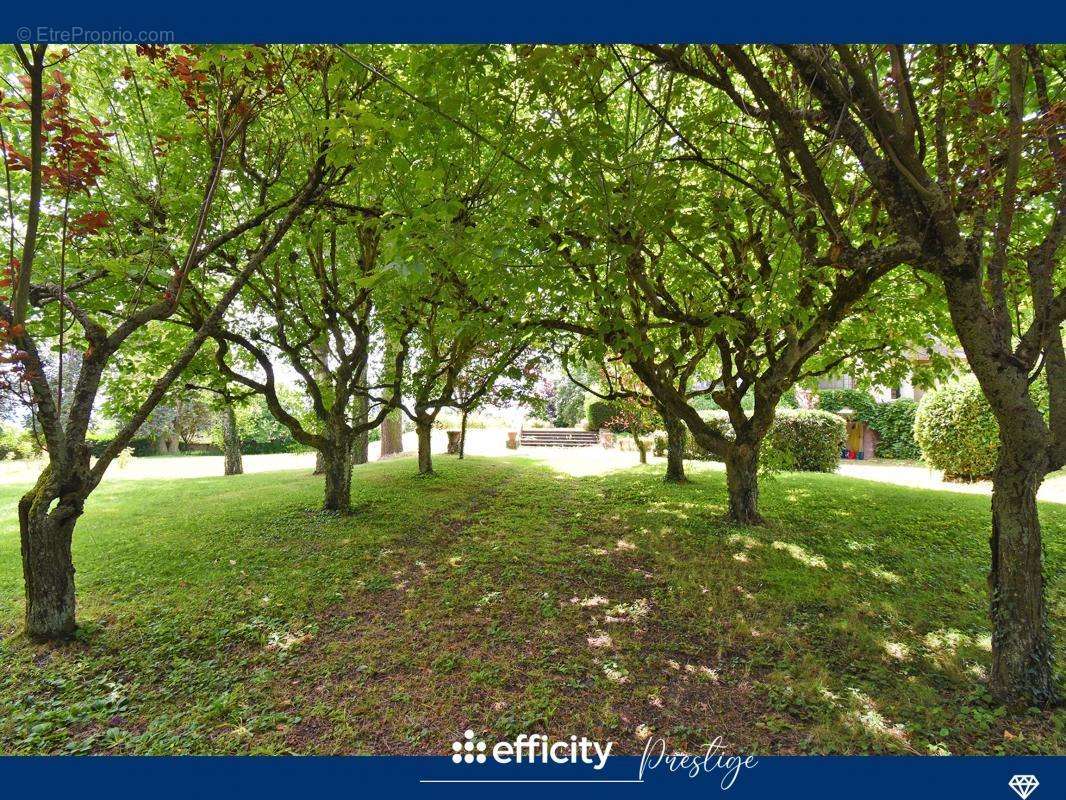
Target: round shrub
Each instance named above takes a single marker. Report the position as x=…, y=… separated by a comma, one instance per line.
x=599, y=413
x=805, y=440
x=956, y=431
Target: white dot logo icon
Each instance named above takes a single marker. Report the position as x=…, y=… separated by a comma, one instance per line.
x=468, y=751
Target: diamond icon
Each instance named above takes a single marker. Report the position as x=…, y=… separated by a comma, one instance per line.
x=1023, y=785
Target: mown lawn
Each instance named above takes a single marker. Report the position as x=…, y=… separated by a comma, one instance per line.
x=229, y=615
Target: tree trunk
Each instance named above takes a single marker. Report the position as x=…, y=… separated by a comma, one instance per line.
x=742, y=479
x=641, y=448
x=676, y=434
x=361, y=446
x=462, y=436
x=392, y=434
x=1021, y=643
x=392, y=425
x=47, y=565
x=320, y=348
x=166, y=442
x=337, y=463
x=231, y=442
x=1022, y=671
x=425, y=454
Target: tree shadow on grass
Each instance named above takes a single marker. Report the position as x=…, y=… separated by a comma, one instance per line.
x=510, y=597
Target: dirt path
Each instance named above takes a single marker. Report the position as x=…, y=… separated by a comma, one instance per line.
x=526, y=608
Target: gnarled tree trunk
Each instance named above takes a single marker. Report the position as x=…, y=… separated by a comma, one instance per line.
x=320, y=348
x=1021, y=645
x=361, y=448
x=47, y=565
x=676, y=435
x=425, y=454
x=742, y=480
x=166, y=443
x=337, y=468
x=231, y=442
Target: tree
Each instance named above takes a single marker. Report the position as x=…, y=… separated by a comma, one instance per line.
x=392, y=425
x=180, y=416
x=498, y=373
x=690, y=255
x=207, y=109
x=569, y=404
x=451, y=193
x=224, y=401
x=636, y=419
x=638, y=409
x=316, y=312
x=444, y=342
x=962, y=149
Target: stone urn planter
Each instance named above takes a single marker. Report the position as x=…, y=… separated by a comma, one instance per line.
x=512, y=440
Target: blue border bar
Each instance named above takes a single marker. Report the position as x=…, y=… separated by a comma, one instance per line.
x=558, y=21
x=266, y=778
x=551, y=21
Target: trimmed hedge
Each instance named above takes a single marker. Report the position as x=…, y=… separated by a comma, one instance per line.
x=142, y=445
x=892, y=421
x=145, y=446
x=800, y=440
x=957, y=432
x=251, y=447
x=805, y=441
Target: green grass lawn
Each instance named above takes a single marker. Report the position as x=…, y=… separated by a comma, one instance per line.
x=229, y=615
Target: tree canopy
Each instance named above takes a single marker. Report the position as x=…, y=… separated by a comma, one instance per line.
x=420, y=228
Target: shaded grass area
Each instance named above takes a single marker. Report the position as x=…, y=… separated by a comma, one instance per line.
x=229, y=615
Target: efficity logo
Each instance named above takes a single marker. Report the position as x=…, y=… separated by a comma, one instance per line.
x=532, y=749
